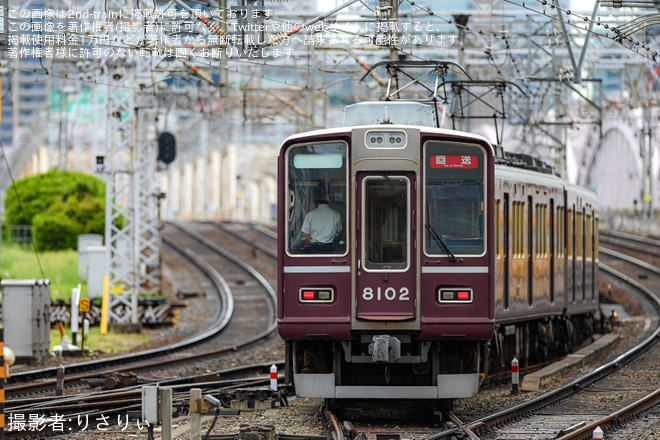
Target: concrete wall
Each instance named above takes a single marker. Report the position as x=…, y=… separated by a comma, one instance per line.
x=230, y=183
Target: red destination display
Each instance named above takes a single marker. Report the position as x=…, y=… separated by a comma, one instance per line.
x=454, y=161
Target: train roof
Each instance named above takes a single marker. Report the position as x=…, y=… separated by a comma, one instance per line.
x=583, y=192
x=525, y=161
x=531, y=176
x=390, y=112
x=320, y=133
x=526, y=175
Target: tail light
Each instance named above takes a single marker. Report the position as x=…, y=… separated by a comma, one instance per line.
x=317, y=294
x=455, y=296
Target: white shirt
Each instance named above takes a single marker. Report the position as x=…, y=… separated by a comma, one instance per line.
x=322, y=224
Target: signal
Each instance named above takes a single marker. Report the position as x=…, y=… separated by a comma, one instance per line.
x=166, y=147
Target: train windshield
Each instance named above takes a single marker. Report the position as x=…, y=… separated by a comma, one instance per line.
x=317, y=176
x=454, y=201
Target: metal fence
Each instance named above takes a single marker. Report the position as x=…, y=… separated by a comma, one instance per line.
x=633, y=224
x=20, y=234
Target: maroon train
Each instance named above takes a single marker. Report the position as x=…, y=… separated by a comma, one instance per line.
x=452, y=258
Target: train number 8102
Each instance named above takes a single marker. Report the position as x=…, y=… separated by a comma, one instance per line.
x=387, y=294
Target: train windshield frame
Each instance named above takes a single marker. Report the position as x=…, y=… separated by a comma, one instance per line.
x=317, y=179
x=454, y=200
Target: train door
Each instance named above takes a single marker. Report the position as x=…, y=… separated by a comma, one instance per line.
x=385, y=277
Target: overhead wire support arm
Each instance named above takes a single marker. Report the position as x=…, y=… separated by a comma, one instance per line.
x=214, y=27
x=564, y=32
x=436, y=65
x=498, y=87
x=396, y=68
x=413, y=81
x=281, y=36
x=199, y=72
x=427, y=82
x=357, y=59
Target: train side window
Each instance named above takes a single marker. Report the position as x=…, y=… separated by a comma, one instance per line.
x=541, y=230
x=569, y=233
x=498, y=228
x=596, y=238
x=518, y=246
x=579, y=239
x=561, y=236
x=594, y=269
x=589, y=238
x=316, y=207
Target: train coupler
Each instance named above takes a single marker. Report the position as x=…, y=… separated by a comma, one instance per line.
x=385, y=348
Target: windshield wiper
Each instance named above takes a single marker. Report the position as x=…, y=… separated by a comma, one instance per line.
x=395, y=193
x=440, y=242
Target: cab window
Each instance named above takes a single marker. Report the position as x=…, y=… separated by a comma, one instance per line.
x=454, y=201
x=316, y=206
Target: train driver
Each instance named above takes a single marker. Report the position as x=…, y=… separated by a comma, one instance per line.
x=322, y=225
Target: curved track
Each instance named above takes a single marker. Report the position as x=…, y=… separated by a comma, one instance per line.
x=599, y=383
x=244, y=314
x=603, y=397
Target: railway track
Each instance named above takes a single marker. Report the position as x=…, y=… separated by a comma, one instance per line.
x=126, y=403
x=352, y=426
x=258, y=238
x=242, y=294
x=645, y=249
x=609, y=395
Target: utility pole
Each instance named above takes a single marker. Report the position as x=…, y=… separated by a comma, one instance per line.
x=132, y=228
x=147, y=236
x=120, y=198
x=387, y=26
x=2, y=189
x=4, y=43
x=4, y=25
x=647, y=144
x=2, y=209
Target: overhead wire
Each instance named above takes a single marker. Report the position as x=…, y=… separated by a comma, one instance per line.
x=632, y=44
x=522, y=4
x=429, y=13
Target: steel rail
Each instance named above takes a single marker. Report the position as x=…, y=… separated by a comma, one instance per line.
x=242, y=264
x=269, y=252
x=218, y=324
x=586, y=432
x=609, y=237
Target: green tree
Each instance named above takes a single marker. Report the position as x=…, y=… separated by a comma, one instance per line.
x=59, y=205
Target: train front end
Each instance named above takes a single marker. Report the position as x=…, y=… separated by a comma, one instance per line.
x=400, y=303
